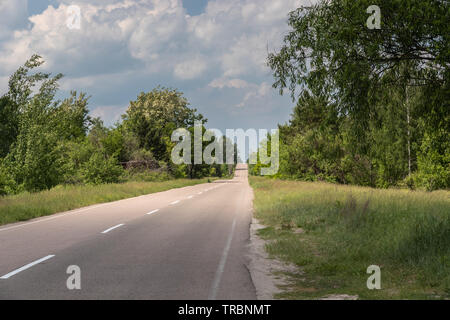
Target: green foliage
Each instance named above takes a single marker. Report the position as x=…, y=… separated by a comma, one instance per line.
x=71, y=118
x=34, y=159
x=373, y=105
x=9, y=124
x=146, y=176
x=154, y=115
x=47, y=142
x=38, y=127
x=74, y=154
x=313, y=155
x=434, y=161
x=100, y=170
x=344, y=229
x=7, y=183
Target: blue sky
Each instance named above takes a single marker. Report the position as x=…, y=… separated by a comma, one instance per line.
x=213, y=51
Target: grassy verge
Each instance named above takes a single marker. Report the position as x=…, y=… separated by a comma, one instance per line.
x=27, y=206
x=341, y=230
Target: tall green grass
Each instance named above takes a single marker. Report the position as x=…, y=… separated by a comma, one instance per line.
x=344, y=229
x=27, y=206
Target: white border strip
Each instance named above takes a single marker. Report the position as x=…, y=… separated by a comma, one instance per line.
x=112, y=228
x=9, y=275
x=223, y=261
x=156, y=210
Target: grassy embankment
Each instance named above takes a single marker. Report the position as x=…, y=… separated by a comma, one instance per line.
x=341, y=230
x=27, y=206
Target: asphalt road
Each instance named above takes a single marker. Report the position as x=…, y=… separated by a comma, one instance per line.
x=193, y=247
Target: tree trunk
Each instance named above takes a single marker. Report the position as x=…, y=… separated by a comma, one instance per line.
x=408, y=131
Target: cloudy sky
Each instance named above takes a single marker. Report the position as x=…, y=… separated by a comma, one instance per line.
x=214, y=51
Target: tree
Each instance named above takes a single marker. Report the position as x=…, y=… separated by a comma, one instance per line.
x=375, y=96
x=154, y=115
x=35, y=158
x=9, y=124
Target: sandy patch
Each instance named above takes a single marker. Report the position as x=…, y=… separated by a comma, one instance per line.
x=262, y=268
x=339, y=297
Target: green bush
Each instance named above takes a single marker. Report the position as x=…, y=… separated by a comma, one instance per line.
x=7, y=183
x=99, y=170
x=434, y=162
x=145, y=176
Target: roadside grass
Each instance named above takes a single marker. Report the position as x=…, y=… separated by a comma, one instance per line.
x=27, y=206
x=341, y=230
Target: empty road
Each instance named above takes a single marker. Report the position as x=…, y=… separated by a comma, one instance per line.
x=187, y=243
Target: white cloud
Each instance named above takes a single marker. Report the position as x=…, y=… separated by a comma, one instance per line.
x=109, y=114
x=228, y=83
x=13, y=15
x=232, y=35
x=3, y=85
x=190, y=69
x=257, y=95
x=137, y=43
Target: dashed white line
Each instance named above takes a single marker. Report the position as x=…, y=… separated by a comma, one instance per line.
x=175, y=202
x=190, y=197
x=112, y=228
x=8, y=275
x=200, y=192
x=156, y=210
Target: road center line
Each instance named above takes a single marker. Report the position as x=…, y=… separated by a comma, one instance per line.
x=6, y=276
x=156, y=210
x=112, y=228
x=175, y=202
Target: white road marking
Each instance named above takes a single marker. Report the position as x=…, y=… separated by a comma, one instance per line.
x=112, y=228
x=8, y=275
x=200, y=192
x=190, y=197
x=221, y=267
x=70, y=212
x=223, y=260
x=77, y=210
x=55, y=217
x=156, y=210
x=175, y=202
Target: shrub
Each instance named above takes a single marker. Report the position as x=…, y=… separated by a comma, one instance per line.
x=7, y=183
x=98, y=170
x=434, y=162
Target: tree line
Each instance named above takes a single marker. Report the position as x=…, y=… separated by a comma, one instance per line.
x=372, y=105
x=47, y=142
